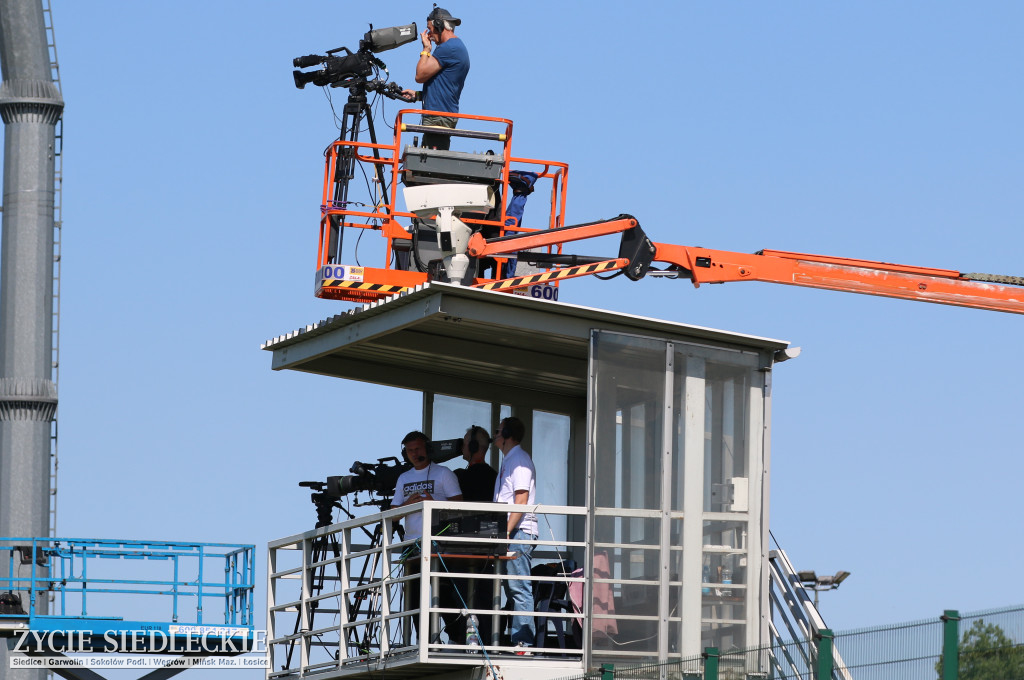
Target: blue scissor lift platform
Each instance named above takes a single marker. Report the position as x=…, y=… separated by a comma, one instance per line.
x=61, y=595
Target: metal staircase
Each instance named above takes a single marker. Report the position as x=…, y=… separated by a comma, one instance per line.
x=793, y=609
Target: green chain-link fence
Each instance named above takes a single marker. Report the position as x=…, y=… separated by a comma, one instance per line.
x=987, y=645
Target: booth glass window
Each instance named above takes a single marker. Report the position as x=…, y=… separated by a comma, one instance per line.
x=628, y=433
x=550, y=452
x=719, y=386
x=675, y=429
x=452, y=416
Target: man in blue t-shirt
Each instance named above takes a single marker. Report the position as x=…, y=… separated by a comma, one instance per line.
x=442, y=74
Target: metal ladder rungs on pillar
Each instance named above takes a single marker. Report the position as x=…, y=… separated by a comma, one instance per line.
x=58, y=179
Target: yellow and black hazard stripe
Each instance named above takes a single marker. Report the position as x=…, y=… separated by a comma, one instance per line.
x=357, y=291
x=554, y=275
x=360, y=285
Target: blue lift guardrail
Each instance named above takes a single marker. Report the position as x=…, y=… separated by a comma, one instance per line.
x=91, y=581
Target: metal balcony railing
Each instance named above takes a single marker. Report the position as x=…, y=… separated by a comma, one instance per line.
x=357, y=596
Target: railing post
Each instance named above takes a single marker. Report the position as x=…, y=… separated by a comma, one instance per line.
x=710, y=663
x=823, y=668
x=950, y=644
x=607, y=671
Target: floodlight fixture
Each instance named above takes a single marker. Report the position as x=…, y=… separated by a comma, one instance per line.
x=811, y=580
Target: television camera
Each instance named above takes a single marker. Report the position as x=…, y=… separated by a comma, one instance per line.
x=377, y=478
x=352, y=71
x=352, y=68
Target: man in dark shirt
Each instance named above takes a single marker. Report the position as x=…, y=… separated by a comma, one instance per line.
x=477, y=483
x=442, y=74
x=477, y=479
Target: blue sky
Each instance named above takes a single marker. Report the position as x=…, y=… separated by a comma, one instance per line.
x=877, y=130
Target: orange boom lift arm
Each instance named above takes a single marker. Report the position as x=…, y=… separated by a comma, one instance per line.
x=702, y=265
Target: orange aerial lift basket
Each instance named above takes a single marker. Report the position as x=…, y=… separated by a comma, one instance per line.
x=411, y=254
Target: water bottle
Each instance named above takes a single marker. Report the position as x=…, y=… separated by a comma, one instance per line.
x=705, y=576
x=726, y=580
x=473, y=634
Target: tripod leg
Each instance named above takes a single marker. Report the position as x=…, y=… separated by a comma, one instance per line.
x=314, y=586
x=385, y=190
x=344, y=166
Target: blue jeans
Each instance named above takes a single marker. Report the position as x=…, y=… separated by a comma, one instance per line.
x=518, y=592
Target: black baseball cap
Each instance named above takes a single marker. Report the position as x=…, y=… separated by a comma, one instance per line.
x=444, y=15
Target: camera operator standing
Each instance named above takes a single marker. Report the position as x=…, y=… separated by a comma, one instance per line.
x=426, y=481
x=442, y=74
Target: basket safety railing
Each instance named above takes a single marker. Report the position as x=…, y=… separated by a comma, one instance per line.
x=381, y=210
x=128, y=584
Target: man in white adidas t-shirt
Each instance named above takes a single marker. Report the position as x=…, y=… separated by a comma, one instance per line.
x=426, y=481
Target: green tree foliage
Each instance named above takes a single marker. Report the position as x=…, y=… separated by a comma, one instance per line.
x=986, y=653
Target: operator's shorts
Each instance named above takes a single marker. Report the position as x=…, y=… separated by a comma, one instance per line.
x=433, y=140
x=443, y=121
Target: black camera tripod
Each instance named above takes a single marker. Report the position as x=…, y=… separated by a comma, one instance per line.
x=356, y=109
x=322, y=548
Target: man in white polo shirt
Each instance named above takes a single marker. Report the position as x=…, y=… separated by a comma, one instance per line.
x=517, y=485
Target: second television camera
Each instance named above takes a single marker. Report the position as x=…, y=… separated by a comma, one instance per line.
x=378, y=478
x=381, y=477
x=352, y=67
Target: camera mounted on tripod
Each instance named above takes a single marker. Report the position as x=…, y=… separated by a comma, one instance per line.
x=376, y=478
x=352, y=68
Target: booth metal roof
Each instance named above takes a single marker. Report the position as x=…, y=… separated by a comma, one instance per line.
x=475, y=343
